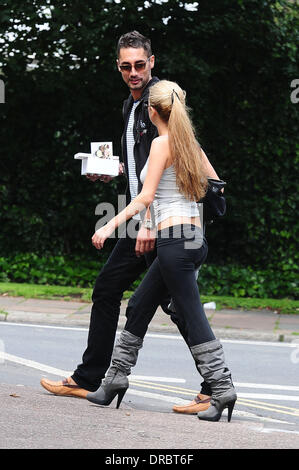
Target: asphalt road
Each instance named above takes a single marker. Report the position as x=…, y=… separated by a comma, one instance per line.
x=265, y=376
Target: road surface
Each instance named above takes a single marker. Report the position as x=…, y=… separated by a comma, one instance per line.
x=265, y=375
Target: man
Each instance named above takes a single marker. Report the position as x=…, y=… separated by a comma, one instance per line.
x=130, y=257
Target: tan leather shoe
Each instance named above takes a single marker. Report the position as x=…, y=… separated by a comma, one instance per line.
x=64, y=387
x=200, y=403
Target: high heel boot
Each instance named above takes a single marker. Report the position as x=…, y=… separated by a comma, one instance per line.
x=209, y=358
x=124, y=357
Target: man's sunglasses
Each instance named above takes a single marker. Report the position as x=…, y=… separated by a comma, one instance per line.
x=138, y=66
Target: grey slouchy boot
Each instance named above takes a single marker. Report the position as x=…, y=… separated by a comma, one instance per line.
x=209, y=358
x=124, y=357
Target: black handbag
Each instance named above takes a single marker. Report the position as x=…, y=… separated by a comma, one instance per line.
x=214, y=203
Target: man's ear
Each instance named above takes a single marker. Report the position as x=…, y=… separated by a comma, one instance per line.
x=152, y=61
x=117, y=63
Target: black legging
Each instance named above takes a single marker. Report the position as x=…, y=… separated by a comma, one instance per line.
x=180, y=250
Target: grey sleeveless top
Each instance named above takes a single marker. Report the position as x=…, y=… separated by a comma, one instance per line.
x=169, y=201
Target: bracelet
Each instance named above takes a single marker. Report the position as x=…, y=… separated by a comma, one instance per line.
x=148, y=223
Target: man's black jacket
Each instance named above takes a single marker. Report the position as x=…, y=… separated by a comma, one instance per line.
x=144, y=133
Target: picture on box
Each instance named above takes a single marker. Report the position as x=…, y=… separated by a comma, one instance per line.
x=102, y=149
x=103, y=152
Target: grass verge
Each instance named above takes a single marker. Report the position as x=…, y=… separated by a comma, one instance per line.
x=36, y=291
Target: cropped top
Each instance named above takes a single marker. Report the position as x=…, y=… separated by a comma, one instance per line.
x=169, y=201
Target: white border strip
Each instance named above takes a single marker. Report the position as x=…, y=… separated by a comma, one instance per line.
x=293, y=388
x=33, y=364
x=268, y=396
x=169, y=336
x=65, y=373
x=34, y=325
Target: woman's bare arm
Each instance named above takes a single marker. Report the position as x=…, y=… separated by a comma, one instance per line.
x=209, y=169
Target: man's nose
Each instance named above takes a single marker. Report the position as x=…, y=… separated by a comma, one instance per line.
x=133, y=70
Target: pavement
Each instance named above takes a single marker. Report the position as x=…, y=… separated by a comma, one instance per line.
x=259, y=325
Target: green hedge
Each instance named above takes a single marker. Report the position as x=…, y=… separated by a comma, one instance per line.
x=221, y=280
x=236, y=60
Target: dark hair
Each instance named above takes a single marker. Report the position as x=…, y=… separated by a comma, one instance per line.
x=136, y=40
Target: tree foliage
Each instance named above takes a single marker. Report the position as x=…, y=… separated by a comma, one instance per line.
x=236, y=59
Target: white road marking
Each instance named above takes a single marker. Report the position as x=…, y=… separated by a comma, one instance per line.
x=179, y=401
x=155, y=335
x=246, y=414
x=157, y=379
x=268, y=396
x=34, y=364
x=61, y=372
x=293, y=388
x=157, y=396
x=233, y=341
x=269, y=430
x=259, y=343
x=33, y=325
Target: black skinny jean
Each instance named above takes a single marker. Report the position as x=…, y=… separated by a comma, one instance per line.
x=181, y=249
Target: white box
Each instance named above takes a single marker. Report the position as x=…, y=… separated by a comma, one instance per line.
x=100, y=161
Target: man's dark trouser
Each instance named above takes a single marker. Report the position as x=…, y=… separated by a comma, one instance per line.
x=122, y=268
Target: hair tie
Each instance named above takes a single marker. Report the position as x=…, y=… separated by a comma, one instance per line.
x=172, y=96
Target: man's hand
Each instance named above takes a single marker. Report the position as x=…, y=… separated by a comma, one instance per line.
x=145, y=241
x=92, y=178
x=105, y=178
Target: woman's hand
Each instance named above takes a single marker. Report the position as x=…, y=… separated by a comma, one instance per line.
x=100, y=236
x=145, y=241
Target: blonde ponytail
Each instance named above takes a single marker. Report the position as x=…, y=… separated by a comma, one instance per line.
x=169, y=101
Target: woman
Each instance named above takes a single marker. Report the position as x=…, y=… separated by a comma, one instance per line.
x=175, y=177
